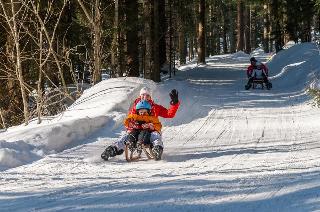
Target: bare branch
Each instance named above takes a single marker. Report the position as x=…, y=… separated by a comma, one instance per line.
x=86, y=12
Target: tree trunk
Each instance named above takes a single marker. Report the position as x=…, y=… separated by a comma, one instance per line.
x=39, y=90
x=191, y=53
x=131, y=7
x=225, y=27
x=306, y=35
x=266, y=28
x=277, y=27
x=97, y=43
x=225, y=41
x=162, y=33
x=253, y=29
x=114, y=44
x=201, y=33
x=232, y=33
x=181, y=38
x=148, y=62
x=210, y=41
x=155, y=31
x=308, y=13
x=291, y=21
x=182, y=52
x=240, y=26
x=247, y=35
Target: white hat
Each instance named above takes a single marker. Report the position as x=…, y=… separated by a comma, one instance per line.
x=145, y=90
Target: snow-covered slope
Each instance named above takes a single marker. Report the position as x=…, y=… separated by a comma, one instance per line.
x=227, y=149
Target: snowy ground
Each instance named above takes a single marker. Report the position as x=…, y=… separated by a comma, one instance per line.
x=227, y=149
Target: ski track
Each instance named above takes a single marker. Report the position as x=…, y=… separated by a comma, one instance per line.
x=234, y=158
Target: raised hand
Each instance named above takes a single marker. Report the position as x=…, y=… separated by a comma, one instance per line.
x=174, y=97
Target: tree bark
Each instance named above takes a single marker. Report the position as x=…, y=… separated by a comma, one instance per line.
x=240, y=25
x=291, y=20
x=266, y=27
x=131, y=8
x=225, y=27
x=162, y=33
x=191, y=47
x=253, y=28
x=97, y=43
x=114, y=44
x=148, y=62
x=232, y=32
x=211, y=29
x=276, y=25
x=247, y=27
x=201, y=33
x=39, y=90
x=181, y=37
x=156, y=64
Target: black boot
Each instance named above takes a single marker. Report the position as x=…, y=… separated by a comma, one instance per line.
x=269, y=85
x=110, y=151
x=157, y=152
x=247, y=86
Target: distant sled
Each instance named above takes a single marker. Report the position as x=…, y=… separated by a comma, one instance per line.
x=259, y=82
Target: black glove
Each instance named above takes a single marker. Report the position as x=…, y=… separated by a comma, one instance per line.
x=174, y=97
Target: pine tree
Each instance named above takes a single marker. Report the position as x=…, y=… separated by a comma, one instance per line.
x=201, y=32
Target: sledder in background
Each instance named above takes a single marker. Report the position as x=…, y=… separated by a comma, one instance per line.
x=257, y=72
x=118, y=147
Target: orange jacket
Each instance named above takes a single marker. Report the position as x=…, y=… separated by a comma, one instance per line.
x=142, y=118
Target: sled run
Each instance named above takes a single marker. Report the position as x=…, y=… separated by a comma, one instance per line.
x=228, y=149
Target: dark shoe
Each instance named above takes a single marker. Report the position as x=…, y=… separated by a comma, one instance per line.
x=157, y=152
x=269, y=85
x=247, y=87
x=110, y=151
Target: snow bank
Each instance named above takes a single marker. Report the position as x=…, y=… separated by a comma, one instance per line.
x=299, y=65
x=16, y=153
x=106, y=102
x=240, y=54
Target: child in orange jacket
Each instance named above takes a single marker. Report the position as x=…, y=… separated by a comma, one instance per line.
x=141, y=124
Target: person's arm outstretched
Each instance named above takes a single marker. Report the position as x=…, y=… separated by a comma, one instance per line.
x=174, y=106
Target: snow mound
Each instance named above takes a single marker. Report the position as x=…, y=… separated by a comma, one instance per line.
x=105, y=103
x=257, y=52
x=305, y=52
x=289, y=44
x=299, y=65
x=16, y=154
x=240, y=54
